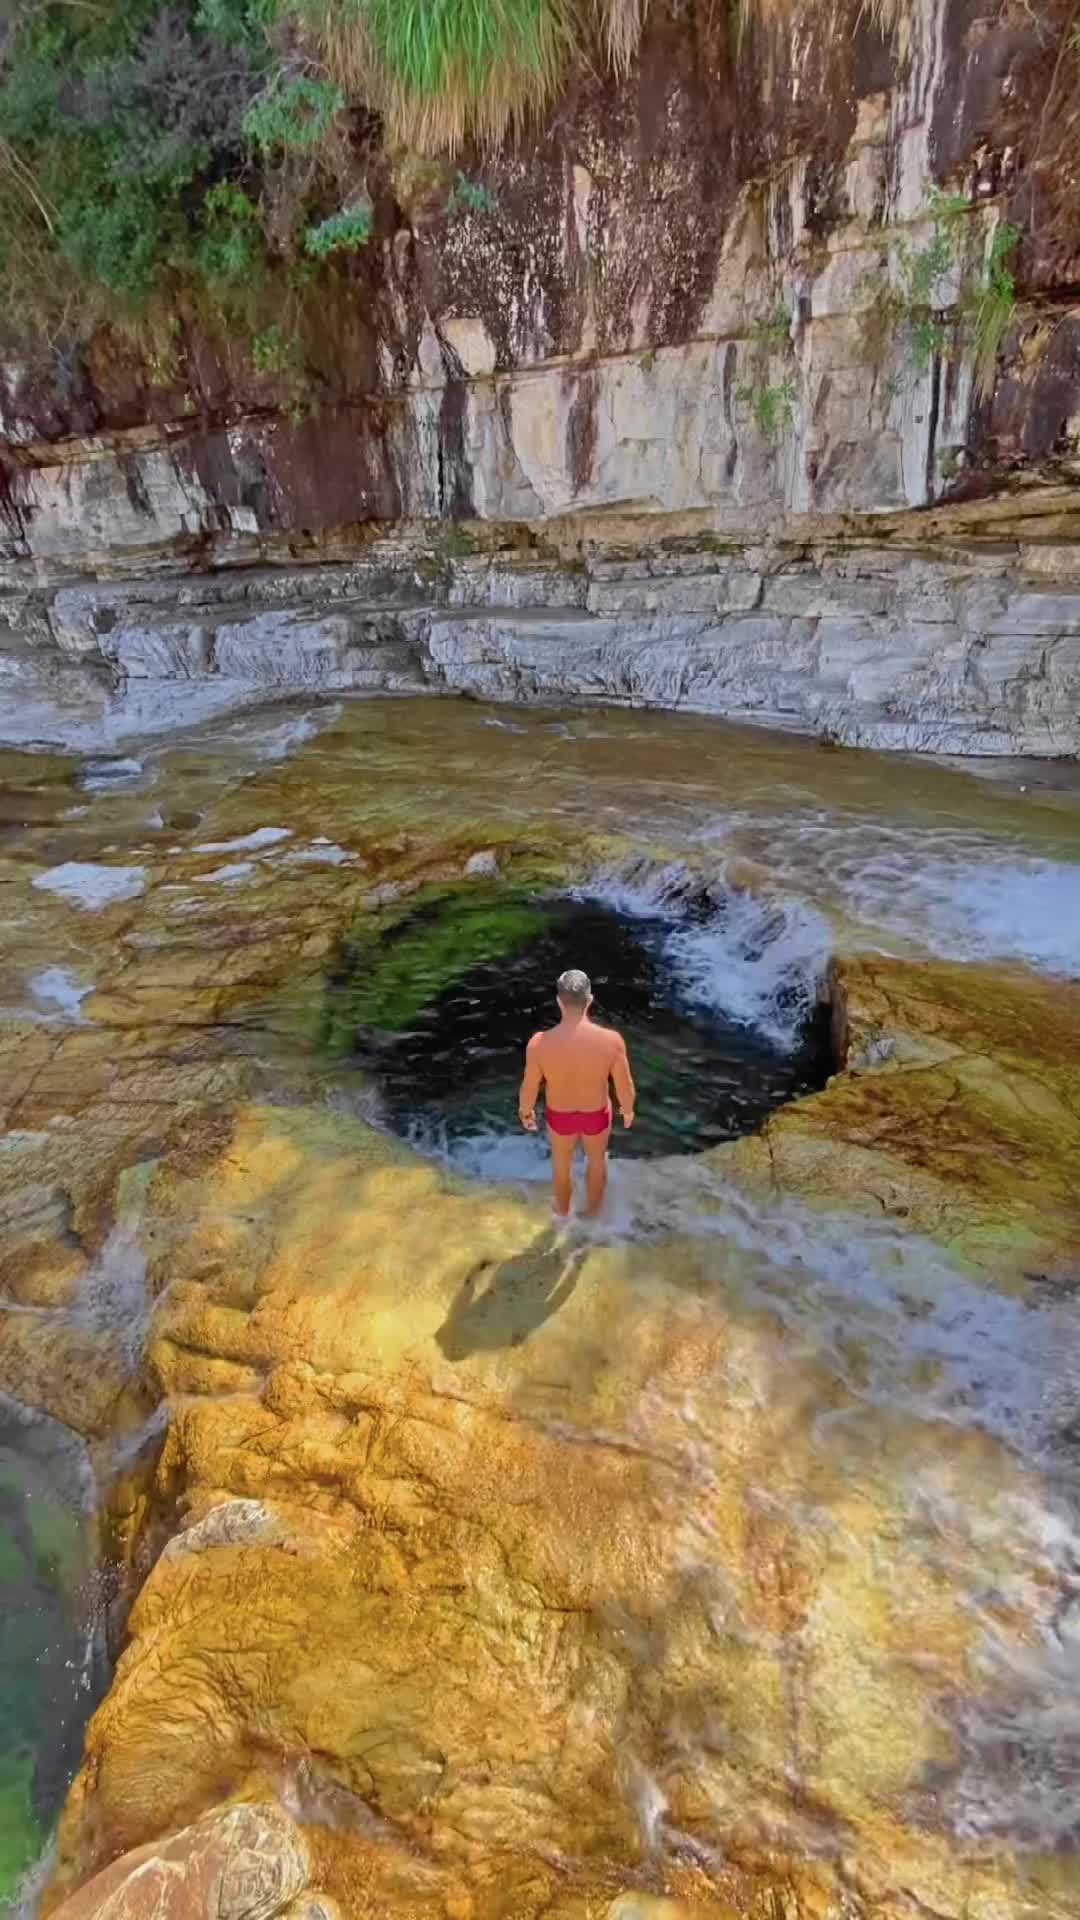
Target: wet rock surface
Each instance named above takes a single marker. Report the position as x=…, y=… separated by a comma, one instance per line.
x=248, y=1863
x=594, y=331
x=709, y=1565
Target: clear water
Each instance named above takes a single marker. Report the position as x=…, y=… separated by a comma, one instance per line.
x=48, y=1671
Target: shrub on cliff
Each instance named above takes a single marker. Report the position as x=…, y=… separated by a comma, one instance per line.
x=145, y=149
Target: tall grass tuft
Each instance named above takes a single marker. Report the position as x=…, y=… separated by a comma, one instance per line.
x=990, y=308
x=622, y=22
x=442, y=70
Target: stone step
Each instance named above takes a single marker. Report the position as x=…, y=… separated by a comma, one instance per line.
x=279, y=646
x=733, y=591
x=80, y=615
x=497, y=582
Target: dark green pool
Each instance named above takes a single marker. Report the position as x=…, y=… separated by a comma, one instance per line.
x=438, y=1008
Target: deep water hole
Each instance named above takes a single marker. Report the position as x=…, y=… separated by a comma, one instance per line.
x=437, y=1008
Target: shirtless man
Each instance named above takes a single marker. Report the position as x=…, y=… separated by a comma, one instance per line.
x=574, y=1063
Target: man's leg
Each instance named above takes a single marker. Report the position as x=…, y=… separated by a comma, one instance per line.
x=596, y=1146
x=562, y=1161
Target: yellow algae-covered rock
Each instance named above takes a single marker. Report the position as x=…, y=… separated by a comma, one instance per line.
x=709, y=1564
x=537, y=1548
x=960, y=1116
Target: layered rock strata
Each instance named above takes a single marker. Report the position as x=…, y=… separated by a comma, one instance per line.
x=970, y=645
x=692, y=298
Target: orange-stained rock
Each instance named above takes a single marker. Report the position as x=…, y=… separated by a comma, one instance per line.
x=245, y=1863
x=539, y=1547
x=709, y=1566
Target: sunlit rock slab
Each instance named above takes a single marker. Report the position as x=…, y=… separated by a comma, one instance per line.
x=525, y=1537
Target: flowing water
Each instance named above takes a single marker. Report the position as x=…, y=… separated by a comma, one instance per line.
x=211, y=916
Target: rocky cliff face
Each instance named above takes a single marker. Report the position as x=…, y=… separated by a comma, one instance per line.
x=720, y=288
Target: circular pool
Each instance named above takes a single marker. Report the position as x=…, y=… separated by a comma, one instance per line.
x=723, y=1024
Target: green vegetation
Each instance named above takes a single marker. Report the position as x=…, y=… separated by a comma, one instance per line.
x=294, y=112
x=773, y=408
x=924, y=274
x=943, y=291
x=341, y=232
x=989, y=306
x=39, y=1551
x=273, y=350
x=21, y=1837
x=469, y=196
x=771, y=402
x=165, y=157
x=387, y=976
x=439, y=70
x=775, y=332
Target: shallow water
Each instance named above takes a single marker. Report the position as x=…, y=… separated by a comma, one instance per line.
x=149, y=903
x=48, y=1669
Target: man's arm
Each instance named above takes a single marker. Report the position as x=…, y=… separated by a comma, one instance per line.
x=624, y=1081
x=531, y=1084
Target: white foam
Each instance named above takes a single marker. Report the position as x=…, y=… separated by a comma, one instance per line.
x=513, y=1157
x=230, y=876
x=1025, y=910
x=59, y=991
x=246, y=842
x=958, y=894
x=754, y=958
x=86, y=884
x=113, y=1295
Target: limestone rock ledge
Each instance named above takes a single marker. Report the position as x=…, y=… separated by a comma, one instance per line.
x=681, y=298
x=958, y=634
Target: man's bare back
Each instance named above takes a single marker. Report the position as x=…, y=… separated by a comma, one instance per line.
x=575, y=1063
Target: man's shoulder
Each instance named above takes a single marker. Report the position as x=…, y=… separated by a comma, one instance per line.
x=610, y=1036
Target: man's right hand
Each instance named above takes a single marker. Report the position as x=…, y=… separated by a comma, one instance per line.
x=628, y=1118
x=528, y=1121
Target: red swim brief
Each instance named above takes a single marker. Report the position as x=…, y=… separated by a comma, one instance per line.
x=573, y=1123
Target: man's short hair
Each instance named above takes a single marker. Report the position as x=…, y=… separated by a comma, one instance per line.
x=573, y=988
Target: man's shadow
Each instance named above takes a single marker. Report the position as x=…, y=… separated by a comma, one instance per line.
x=501, y=1306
